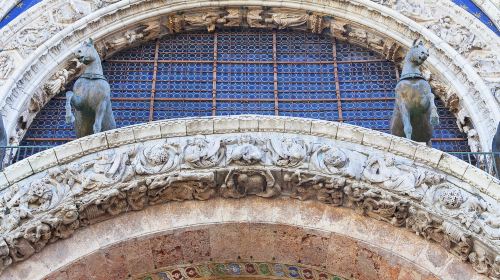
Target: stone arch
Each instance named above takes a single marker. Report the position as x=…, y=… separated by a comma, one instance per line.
x=73, y=187
x=30, y=86
x=167, y=237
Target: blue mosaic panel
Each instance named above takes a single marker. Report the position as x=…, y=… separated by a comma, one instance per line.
x=232, y=72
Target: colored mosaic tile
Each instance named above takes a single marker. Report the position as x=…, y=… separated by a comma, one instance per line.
x=243, y=269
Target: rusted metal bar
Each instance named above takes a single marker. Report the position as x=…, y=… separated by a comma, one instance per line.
x=275, y=74
x=153, y=83
x=337, y=83
x=214, y=77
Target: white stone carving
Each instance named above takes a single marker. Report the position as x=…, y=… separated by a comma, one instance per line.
x=32, y=36
x=160, y=158
x=257, y=17
x=456, y=35
x=6, y=65
x=418, y=10
x=71, y=11
x=289, y=152
x=246, y=150
x=54, y=204
x=288, y=18
x=200, y=153
x=338, y=161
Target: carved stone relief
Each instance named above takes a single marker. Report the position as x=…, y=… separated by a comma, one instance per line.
x=33, y=35
x=54, y=204
x=456, y=35
x=6, y=65
x=71, y=11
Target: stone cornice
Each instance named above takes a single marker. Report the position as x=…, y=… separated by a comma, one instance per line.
x=457, y=78
x=50, y=195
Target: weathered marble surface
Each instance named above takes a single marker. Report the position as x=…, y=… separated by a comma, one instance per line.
x=391, y=179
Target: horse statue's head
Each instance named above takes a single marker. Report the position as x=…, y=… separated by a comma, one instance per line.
x=87, y=54
x=417, y=53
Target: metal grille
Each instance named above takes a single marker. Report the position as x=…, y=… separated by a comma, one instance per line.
x=231, y=72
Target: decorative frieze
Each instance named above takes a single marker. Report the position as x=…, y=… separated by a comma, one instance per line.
x=52, y=204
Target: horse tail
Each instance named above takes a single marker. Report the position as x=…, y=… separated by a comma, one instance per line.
x=70, y=118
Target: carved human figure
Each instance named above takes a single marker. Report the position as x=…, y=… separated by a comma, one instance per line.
x=336, y=160
x=90, y=96
x=285, y=19
x=289, y=151
x=255, y=18
x=415, y=113
x=398, y=177
x=201, y=153
x=208, y=19
x=160, y=158
x=247, y=150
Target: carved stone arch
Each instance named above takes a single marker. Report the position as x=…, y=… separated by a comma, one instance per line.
x=459, y=84
x=74, y=187
x=295, y=235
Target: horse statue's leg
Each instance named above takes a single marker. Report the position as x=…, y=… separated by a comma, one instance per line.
x=99, y=116
x=108, y=121
x=405, y=115
x=70, y=118
x=72, y=99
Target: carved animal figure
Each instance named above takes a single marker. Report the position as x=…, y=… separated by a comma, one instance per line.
x=90, y=96
x=415, y=113
x=495, y=148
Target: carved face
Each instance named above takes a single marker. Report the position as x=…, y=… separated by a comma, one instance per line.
x=86, y=53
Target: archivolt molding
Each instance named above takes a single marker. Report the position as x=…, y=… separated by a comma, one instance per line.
x=491, y=9
x=440, y=198
x=47, y=37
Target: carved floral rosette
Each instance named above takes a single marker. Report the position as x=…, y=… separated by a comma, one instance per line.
x=53, y=204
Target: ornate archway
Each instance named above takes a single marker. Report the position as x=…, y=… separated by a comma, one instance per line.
x=75, y=186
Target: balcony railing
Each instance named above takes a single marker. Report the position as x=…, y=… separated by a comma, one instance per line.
x=482, y=160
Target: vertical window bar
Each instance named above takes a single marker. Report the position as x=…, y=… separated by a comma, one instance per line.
x=153, y=83
x=337, y=83
x=275, y=73
x=214, y=77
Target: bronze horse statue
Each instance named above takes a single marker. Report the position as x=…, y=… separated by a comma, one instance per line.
x=90, y=96
x=3, y=142
x=495, y=148
x=415, y=113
